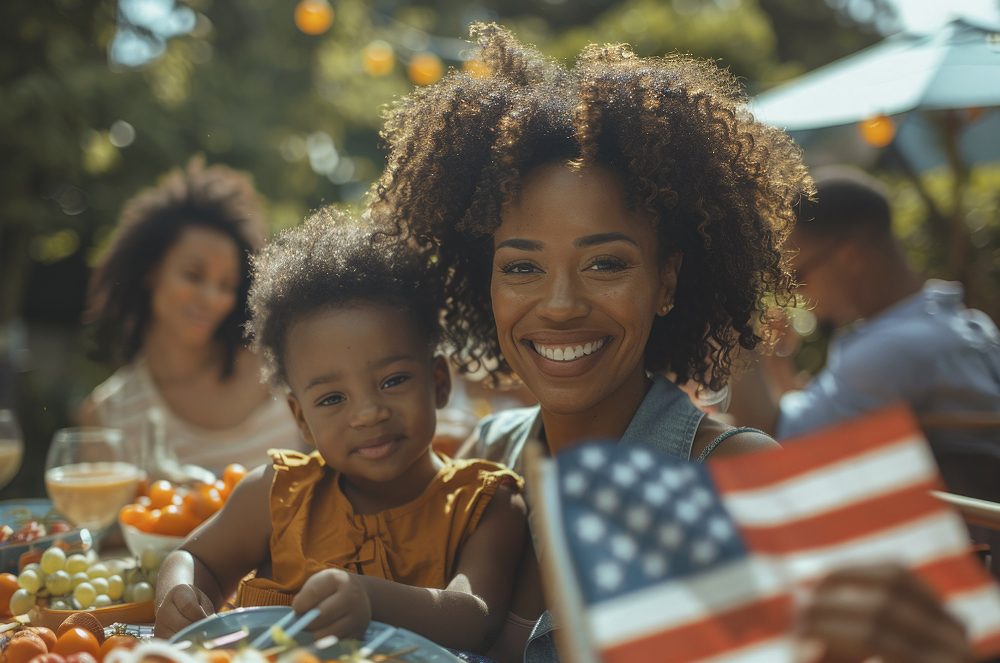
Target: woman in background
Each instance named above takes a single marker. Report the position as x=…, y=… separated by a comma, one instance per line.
x=169, y=302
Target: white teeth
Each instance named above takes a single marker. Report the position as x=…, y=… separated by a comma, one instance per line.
x=567, y=352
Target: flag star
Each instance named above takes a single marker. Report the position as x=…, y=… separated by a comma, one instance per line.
x=590, y=528
x=575, y=483
x=592, y=458
x=720, y=528
x=688, y=511
x=638, y=518
x=655, y=493
x=671, y=478
x=654, y=565
x=608, y=575
x=671, y=536
x=642, y=459
x=703, y=552
x=624, y=547
x=606, y=499
x=624, y=475
x=702, y=497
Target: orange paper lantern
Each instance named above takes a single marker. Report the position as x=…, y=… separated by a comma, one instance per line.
x=378, y=58
x=425, y=68
x=878, y=131
x=313, y=17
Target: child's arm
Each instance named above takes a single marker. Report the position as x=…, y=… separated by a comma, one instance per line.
x=196, y=579
x=467, y=614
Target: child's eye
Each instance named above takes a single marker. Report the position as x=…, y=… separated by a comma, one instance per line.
x=519, y=267
x=332, y=399
x=395, y=381
x=607, y=264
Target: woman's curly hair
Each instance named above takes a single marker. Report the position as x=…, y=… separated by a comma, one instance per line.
x=214, y=197
x=720, y=186
x=332, y=261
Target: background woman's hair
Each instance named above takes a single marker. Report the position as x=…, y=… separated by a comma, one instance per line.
x=720, y=186
x=214, y=197
x=333, y=261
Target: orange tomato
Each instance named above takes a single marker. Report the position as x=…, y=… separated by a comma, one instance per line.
x=161, y=493
x=47, y=635
x=8, y=585
x=48, y=658
x=175, y=522
x=83, y=620
x=119, y=641
x=23, y=648
x=77, y=640
x=223, y=489
x=207, y=500
x=233, y=474
x=135, y=515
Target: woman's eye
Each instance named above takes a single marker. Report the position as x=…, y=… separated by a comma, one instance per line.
x=519, y=268
x=607, y=264
x=332, y=399
x=395, y=381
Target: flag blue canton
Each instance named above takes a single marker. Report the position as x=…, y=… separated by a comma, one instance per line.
x=635, y=517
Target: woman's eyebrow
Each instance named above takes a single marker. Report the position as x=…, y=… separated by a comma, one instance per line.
x=522, y=244
x=603, y=238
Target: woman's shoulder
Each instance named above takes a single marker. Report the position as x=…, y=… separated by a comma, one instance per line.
x=500, y=437
x=716, y=438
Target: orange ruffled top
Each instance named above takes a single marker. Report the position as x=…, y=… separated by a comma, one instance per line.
x=314, y=527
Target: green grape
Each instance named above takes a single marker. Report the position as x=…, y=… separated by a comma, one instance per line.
x=30, y=580
x=142, y=592
x=100, y=585
x=60, y=604
x=116, y=587
x=128, y=595
x=77, y=564
x=21, y=602
x=102, y=601
x=53, y=559
x=58, y=583
x=77, y=578
x=84, y=595
x=150, y=559
x=98, y=570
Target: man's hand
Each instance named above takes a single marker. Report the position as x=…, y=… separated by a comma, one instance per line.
x=340, y=596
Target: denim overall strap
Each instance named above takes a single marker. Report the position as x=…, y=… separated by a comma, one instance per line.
x=666, y=420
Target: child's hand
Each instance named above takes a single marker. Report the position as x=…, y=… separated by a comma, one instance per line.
x=345, y=610
x=182, y=605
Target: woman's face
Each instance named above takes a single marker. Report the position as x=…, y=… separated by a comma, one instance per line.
x=576, y=285
x=194, y=287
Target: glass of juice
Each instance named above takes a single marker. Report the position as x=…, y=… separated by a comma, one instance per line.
x=89, y=475
x=11, y=446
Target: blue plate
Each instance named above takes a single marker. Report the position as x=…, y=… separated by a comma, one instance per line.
x=16, y=512
x=256, y=620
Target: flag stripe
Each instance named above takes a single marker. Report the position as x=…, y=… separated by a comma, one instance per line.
x=845, y=524
x=749, y=471
x=769, y=651
x=952, y=574
x=827, y=488
x=977, y=610
x=670, y=604
x=723, y=631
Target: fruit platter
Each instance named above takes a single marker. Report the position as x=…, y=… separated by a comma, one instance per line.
x=30, y=526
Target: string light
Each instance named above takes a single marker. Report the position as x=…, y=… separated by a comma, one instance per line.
x=425, y=68
x=313, y=17
x=877, y=131
x=378, y=58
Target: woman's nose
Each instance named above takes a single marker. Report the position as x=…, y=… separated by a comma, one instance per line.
x=564, y=298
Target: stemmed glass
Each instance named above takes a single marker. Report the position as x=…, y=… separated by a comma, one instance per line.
x=11, y=446
x=89, y=475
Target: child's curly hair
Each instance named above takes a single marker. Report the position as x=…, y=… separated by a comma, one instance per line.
x=332, y=261
x=720, y=186
x=215, y=197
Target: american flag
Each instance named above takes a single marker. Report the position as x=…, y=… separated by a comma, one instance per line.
x=655, y=559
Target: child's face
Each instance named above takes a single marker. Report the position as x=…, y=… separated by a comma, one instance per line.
x=364, y=389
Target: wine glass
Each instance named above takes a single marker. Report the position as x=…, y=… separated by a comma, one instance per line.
x=89, y=475
x=11, y=446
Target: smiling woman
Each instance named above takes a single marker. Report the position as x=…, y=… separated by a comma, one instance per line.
x=169, y=301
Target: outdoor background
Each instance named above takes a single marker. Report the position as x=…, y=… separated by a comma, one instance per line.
x=99, y=98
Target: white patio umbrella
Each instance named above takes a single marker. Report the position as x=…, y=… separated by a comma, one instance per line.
x=957, y=67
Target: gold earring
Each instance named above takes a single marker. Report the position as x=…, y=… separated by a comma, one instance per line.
x=666, y=308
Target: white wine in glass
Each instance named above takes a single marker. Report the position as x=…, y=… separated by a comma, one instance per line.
x=89, y=475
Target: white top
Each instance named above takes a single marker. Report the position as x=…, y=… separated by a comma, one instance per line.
x=124, y=400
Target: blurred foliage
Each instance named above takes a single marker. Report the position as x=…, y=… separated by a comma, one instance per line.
x=301, y=113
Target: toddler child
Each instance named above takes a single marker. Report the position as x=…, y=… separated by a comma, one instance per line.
x=372, y=524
